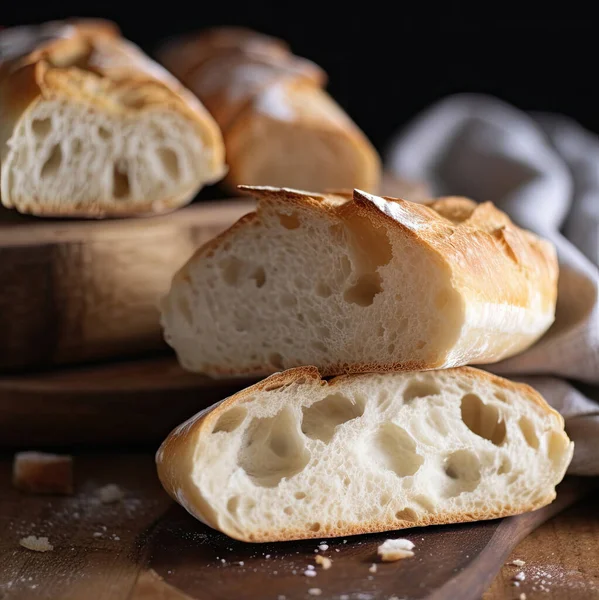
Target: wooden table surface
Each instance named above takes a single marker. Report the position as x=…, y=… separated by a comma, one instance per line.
x=109, y=551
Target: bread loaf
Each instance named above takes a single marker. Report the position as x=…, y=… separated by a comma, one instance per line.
x=362, y=283
x=298, y=457
x=280, y=126
x=92, y=127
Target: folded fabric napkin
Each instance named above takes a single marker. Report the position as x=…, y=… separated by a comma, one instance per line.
x=543, y=170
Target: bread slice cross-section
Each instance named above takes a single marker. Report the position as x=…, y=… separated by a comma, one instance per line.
x=360, y=283
x=297, y=457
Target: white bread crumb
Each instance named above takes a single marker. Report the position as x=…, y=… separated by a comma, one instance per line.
x=517, y=563
x=323, y=547
x=372, y=568
x=314, y=591
x=37, y=544
x=392, y=550
x=522, y=596
x=309, y=573
x=520, y=576
x=323, y=561
x=110, y=493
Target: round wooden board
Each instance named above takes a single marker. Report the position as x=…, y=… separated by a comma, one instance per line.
x=78, y=291
x=127, y=403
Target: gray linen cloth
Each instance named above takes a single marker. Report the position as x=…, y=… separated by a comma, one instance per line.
x=543, y=170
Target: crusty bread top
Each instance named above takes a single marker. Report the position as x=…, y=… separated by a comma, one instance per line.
x=89, y=61
x=474, y=239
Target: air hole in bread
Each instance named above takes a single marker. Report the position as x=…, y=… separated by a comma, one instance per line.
x=273, y=449
x=233, y=504
x=231, y=420
x=324, y=332
x=345, y=268
x=419, y=388
x=463, y=468
x=384, y=499
x=299, y=495
x=407, y=514
x=391, y=348
x=185, y=309
x=231, y=268
x=395, y=449
x=337, y=233
x=288, y=300
x=505, y=466
x=259, y=276
x=321, y=419
x=500, y=396
x=556, y=448
x=425, y=503
x=76, y=146
x=120, y=182
x=104, y=133
x=288, y=510
x=364, y=290
x=41, y=128
x=346, y=481
x=170, y=162
x=529, y=433
x=323, y=289
x=483, y=419
x=442, y=298
x=315, y=527
x=276, y=360
x=289, y=221
x=420, y=344
x=53, y=162
x=380, y=330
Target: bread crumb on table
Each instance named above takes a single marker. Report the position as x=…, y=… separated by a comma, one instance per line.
x=323, y=561
x=373, y=568
x=522, y=596
x=323, y=547
x=315, y=591
x=517, y=563
x=37, y=544
x=43, y=473
x=110, y=493
x=519, y=576
x=392, y=550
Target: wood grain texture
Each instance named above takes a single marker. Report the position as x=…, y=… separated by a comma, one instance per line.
x=126, y=403
x=147, y=548
x=77, y=291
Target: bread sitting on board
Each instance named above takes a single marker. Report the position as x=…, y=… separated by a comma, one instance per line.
x=280, y=126
x=362, y=283
x=92, y=127
x=298, y=457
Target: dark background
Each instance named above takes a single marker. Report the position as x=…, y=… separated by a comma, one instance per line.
x=386, y=63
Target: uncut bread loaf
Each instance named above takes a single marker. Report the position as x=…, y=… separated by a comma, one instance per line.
x=280, y=126
x=92, y=127
x=297, y=457
x=362, y=283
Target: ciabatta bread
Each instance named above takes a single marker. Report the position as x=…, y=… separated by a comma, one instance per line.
x=360, y=284
x=92, y=127
x=298, y=457
x=280, y=126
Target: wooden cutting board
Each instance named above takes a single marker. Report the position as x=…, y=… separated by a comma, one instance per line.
x=145, y=547
x=76, y=291
x=125, y=403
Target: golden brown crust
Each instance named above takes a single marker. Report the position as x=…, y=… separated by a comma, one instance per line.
x=175, y=460
x=87, y=62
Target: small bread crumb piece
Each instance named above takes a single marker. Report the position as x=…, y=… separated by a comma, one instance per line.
x=372, y=568
x=314, y=591
x=517, y=563
x=110, y=493
x=392, y=550
x=43, y=473
x=37, y=544
x=323, y=561
x=323, y=547
x=522, y=596
x=520, y=576
x=309, y=573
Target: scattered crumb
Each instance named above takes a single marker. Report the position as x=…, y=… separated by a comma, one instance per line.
x=110, y=493
x=43, y=473
x=373, y=568
x=241, y=563
x=223, y=560
x=281, y=597
x=97, y=534
x=392, y=550
x=323, y=547
x=517, y=563
x=38, y=544
x=267, y=556
x=522, y=596
x=336, y=549
x=516, y=583
x=345, y=541
x=323, y=561
x=520, y=576
x=309, y=573
x=344, y=597
x=314, y=591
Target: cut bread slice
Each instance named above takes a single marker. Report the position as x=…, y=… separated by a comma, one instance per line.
x=92, y=127
x=360, y=284
x=296, y=457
